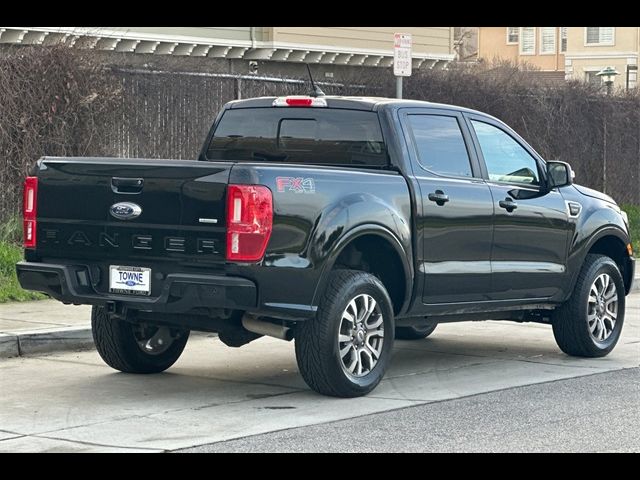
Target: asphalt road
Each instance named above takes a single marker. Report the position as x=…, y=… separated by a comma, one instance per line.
x=476, y=385
x=597, y=413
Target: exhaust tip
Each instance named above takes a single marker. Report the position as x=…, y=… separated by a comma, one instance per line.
x=261, y=327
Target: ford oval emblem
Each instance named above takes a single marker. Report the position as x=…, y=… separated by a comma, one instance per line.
x=125, y=211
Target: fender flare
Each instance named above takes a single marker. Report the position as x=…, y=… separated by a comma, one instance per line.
x=353, y=234
x=606, y=232
x=582, y=252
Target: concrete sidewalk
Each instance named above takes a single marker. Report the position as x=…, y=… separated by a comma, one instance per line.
x=73, y=402
x=49, y=326
x=43, y=327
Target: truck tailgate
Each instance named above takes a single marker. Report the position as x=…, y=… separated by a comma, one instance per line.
x=132, y=211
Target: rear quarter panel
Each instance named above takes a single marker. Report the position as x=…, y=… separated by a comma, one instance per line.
x=316, y=211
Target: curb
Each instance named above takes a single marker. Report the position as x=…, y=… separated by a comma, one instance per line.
x=45, y=341
x=31, y=342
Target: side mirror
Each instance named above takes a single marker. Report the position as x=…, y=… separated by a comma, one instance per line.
x=559, y=174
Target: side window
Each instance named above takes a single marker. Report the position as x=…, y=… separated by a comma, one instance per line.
x=507, y=161
x=440, y=145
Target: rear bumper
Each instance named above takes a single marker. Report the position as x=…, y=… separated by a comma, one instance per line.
x=180, y=293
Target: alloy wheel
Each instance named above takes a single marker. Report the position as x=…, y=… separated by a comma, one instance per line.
x=361, y=336
x=602, y=308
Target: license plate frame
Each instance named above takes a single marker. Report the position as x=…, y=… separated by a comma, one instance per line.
x=135, y=281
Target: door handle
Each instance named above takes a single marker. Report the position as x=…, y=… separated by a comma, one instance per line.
x=129, y=186
x=439, y=197
x=508, y=204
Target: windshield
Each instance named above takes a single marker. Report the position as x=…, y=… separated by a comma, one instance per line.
x=317, y=136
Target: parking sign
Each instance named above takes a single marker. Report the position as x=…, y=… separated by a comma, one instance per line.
x=402, y=55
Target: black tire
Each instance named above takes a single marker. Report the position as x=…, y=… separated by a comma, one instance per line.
x=318, y=346
x=570, y=321
x=415, y=333
x=117, y=343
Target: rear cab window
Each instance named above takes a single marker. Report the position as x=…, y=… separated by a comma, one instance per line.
x=318, y=136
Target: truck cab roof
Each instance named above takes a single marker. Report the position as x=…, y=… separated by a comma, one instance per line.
x=357, y=103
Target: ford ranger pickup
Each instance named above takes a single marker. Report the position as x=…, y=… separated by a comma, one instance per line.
x=338, y=222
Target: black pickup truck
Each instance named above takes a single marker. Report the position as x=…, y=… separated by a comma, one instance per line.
x=341, y=222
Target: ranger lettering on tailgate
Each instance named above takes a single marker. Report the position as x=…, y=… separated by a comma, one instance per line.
x=137, y=241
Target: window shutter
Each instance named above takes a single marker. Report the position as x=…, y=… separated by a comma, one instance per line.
x=597, y=35
x=593, y=34
x=606, y=34
x=528, y=40
x=548, y=39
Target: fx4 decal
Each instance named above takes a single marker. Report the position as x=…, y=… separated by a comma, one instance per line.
x=295, y=185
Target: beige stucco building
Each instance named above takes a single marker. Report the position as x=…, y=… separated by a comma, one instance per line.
x=353, y=46
x=590, y=49
x=541, y=47
x=577, y=52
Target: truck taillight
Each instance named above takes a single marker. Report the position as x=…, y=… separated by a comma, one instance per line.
x=249, y=222
x=29, y=210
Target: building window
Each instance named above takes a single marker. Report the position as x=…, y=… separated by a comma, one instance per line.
x=599, y=35
x=632, y=76
x=513, y=35
x=528, y=40
x=563, y=39
x=547, y=40
x=592, y=78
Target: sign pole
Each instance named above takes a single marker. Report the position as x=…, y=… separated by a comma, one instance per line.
x=399, y=87
x=402, y=60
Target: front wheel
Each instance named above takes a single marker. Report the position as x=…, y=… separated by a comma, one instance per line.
x=136, y=348
x=590, y=322
x=345, y=350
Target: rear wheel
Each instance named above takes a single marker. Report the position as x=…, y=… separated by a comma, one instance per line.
x=415, y=332
x=345, y=350
x=590, y=322
x=136, y=348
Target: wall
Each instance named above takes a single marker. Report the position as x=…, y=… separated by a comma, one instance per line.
x=582, y=58
x=228, y=33
x=425, y=39
x=492, y=44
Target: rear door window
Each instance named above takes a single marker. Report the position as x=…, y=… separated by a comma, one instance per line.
x=318, y=136
x=440, y=145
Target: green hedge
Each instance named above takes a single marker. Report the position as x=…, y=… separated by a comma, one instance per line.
x=10, y=254
x=633, y=211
